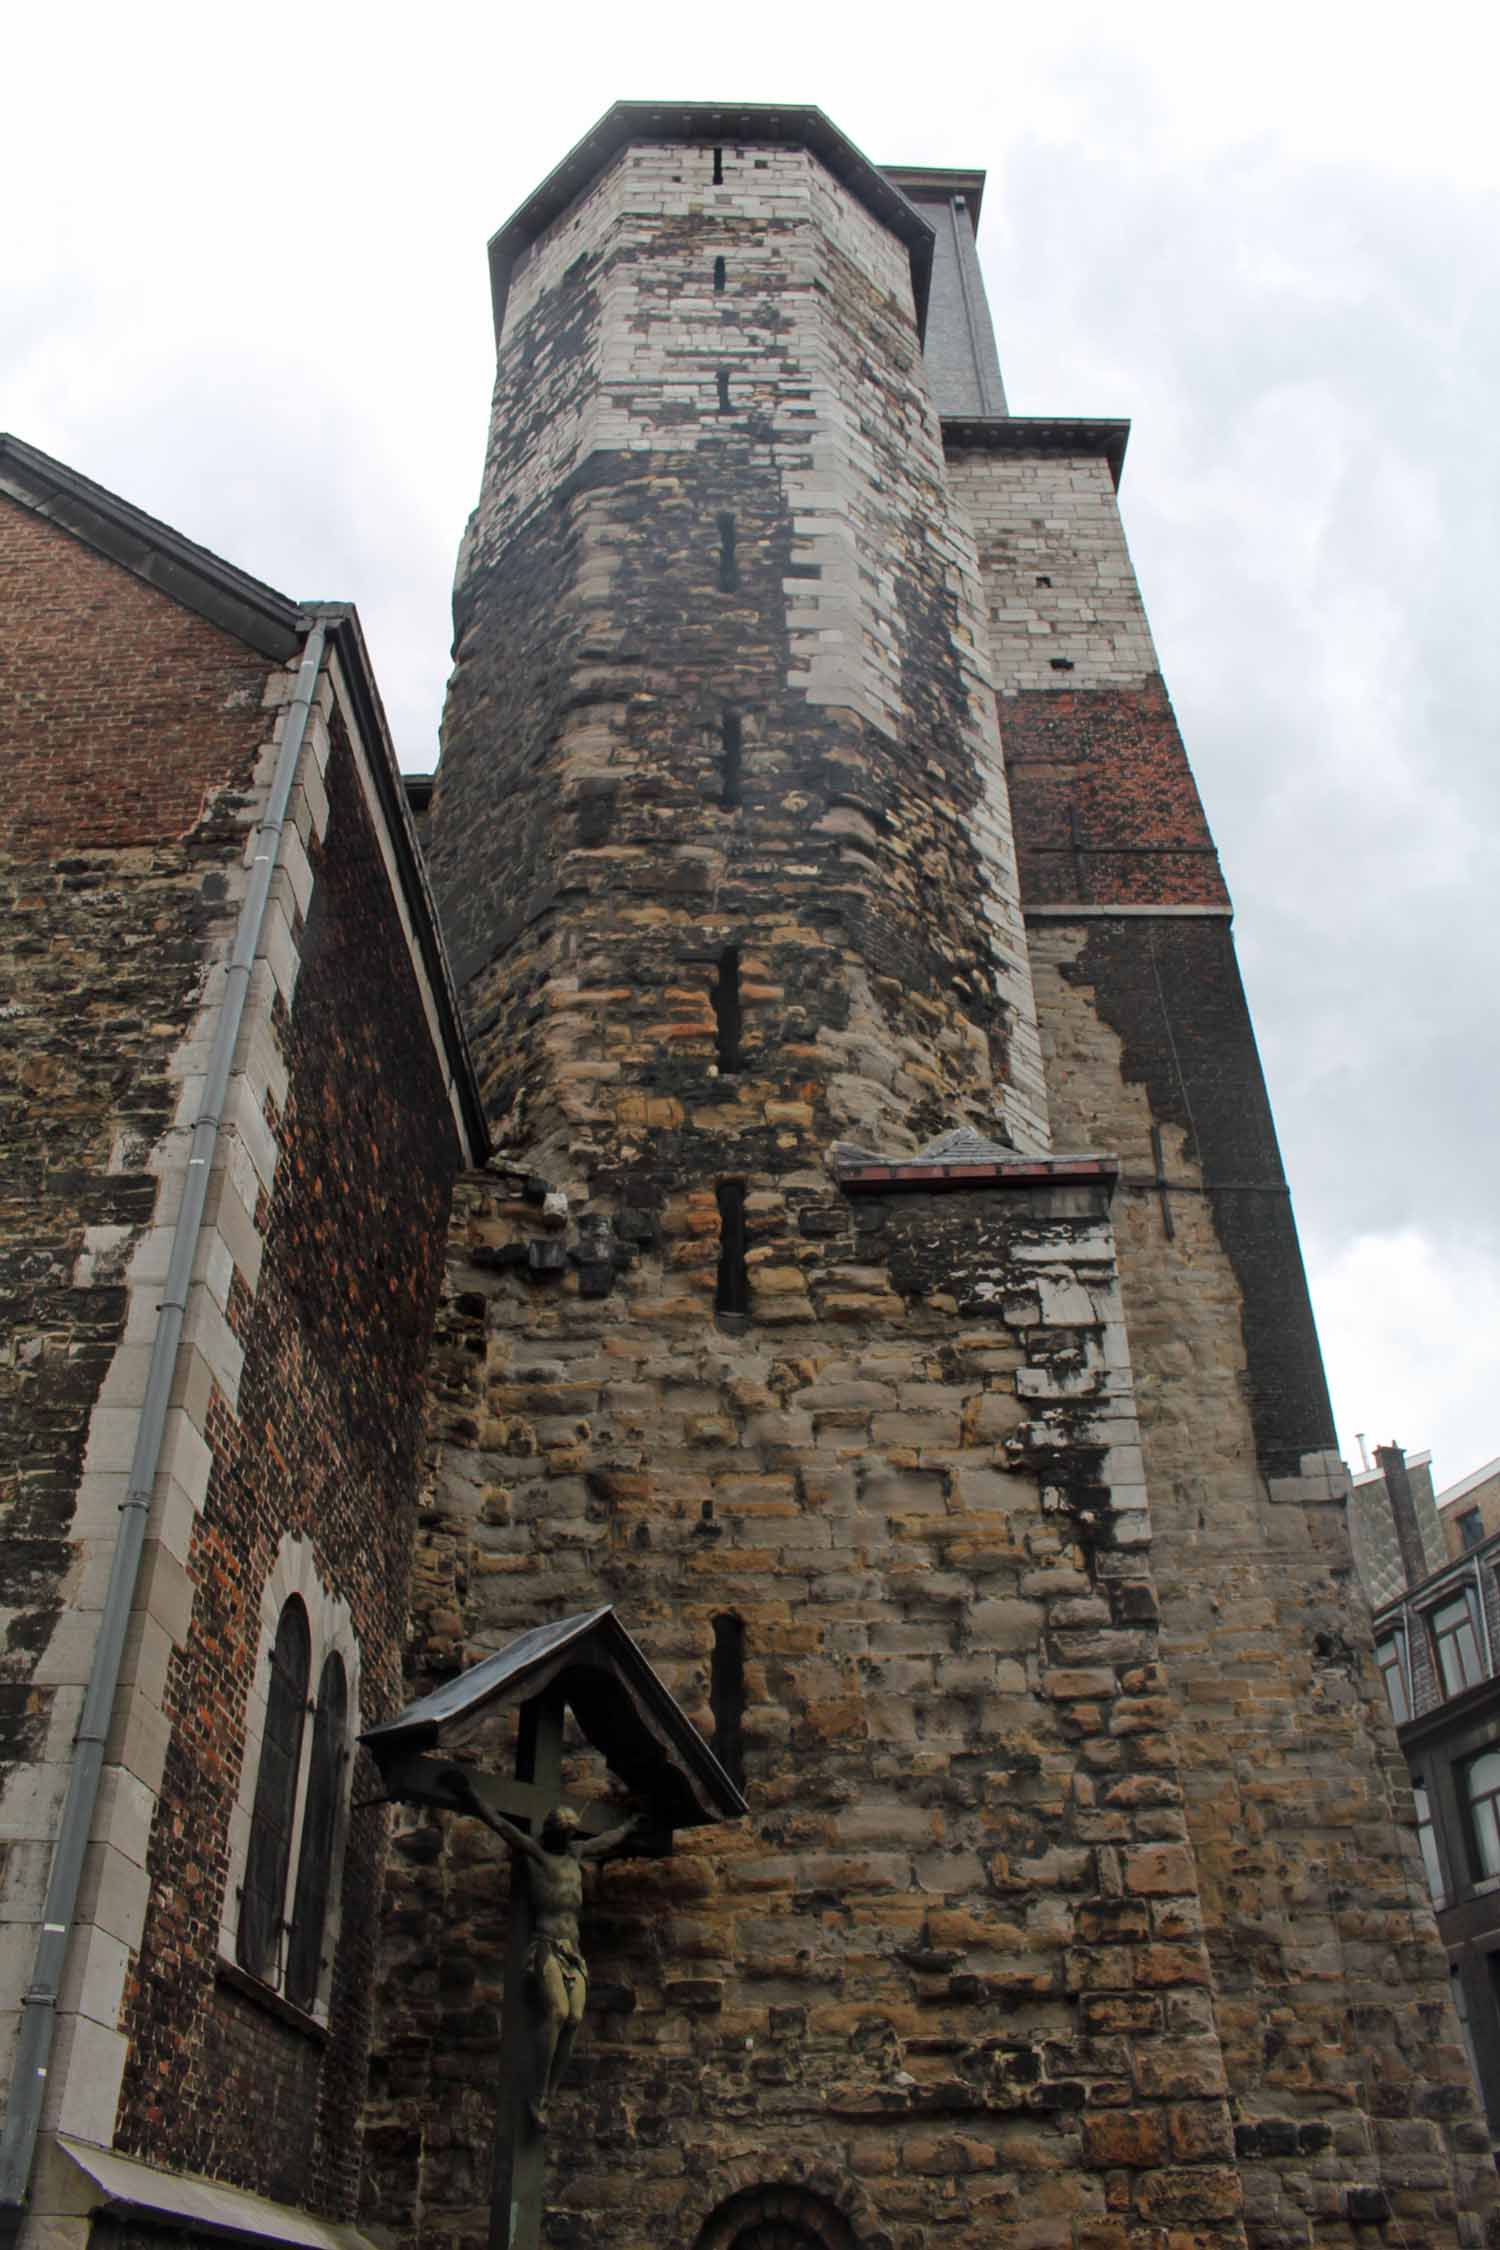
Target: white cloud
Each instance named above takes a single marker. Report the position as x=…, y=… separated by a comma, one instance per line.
x=1409, y=1329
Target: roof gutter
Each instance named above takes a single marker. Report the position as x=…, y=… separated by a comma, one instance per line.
x=39, y=2004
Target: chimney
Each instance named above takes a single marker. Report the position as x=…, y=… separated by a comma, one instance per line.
x=1391, y=1460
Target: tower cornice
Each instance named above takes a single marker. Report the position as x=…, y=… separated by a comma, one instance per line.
x=780, y=124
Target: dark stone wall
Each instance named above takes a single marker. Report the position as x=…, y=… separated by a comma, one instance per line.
x=1171, y=993
x=325, y=1443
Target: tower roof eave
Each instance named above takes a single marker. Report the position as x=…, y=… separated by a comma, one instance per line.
x=790, y=125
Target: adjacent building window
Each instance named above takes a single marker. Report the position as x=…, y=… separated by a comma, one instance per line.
x=1470, y=1528
x=1454, y=1626
x=1390, y=1654
x=1461, y=2010
x=1481, y=1781
x=1427, y=1841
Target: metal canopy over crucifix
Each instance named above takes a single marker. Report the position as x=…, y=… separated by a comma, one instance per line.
x=591, y=1666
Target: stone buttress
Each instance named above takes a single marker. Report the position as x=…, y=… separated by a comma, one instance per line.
x=786, y=1317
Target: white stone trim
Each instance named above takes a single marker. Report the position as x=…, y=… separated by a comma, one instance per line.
x=296, y=1570
x=1079, y=913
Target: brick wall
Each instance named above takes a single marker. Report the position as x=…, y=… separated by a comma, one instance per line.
x=131, y=735
x=125, y=717
x=323, y=1443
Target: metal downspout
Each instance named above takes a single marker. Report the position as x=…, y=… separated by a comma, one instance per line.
x=39, y=2003
x=1484, y=1621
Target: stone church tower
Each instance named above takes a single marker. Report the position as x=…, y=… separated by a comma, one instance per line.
x=886, y=1294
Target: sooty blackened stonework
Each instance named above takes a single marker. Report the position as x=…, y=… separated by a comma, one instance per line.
x=325, y=1445
x=1174, y=998
x=580, y=810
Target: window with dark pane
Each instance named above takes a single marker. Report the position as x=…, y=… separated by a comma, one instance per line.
x=1455, y=1643
x=275, y=1807
x=1481, y=1778
x=325, y=1781
x=1427, y=1841
x=1390, y=1654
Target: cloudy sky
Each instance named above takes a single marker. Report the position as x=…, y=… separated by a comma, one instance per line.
x=249, y=294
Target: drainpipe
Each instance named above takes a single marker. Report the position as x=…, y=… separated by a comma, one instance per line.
x=39, y=2005
x=1484, y=1621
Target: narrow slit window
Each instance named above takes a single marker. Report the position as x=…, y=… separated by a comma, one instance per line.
x=731, y=759
x=729, y=572
x=720, y=271
x=723, y=380
x=732, y=1294
x=726, y=1695
x=718, y=167
x=727, y=1013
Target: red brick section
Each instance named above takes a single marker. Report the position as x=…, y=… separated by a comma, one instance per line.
x=325, y=1445
x=128, y=738
x=121, y=714
x=1105, y=806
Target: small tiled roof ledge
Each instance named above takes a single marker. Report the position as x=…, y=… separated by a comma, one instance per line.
x=860, y=1173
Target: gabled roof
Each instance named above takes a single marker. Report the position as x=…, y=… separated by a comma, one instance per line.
x=276, y=628
x=629, y=1716
x=756, y=123
x=200, y=581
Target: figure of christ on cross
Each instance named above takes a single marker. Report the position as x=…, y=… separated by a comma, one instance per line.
x=557, y=1980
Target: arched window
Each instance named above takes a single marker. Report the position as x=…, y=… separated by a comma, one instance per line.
x=292, y=1850
x=276, y=1791
x=325, y=1789
x=777, y=2218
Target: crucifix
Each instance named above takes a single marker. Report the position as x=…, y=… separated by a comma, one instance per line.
x=591, y=1666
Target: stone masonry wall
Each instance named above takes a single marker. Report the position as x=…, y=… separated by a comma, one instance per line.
x=1346, y=2081
x=949, y=1974
x=132, y=732
x=1063, y=606
x=949, y=1971
x=1329, y=1981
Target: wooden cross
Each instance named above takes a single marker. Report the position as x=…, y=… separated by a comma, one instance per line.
x=591, y=1665
x=519, y=2166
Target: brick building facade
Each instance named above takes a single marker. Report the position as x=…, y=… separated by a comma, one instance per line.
x=881, y=1286
x=1430, y=1578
